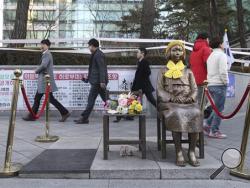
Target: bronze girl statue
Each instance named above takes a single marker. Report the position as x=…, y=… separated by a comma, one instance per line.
x=176, y=96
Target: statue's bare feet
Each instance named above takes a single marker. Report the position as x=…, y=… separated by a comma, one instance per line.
x=192, y=159
x=180, y=161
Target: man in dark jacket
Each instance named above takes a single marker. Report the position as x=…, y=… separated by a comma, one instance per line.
x=98, y=79
x=142, y=74
x=141, y=80
x=46, y=67
x=198, y=60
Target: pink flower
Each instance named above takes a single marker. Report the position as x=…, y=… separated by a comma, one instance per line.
x=123, y=102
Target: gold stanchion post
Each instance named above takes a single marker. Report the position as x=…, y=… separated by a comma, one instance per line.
x=241, y=171
x=47, y=137
x=11, y=169
x=200, y=144
x=203, y=101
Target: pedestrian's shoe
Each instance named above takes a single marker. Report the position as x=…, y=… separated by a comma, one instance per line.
x=81, y=121
x=206, y=130
x=64, y=117
x=217, y=135
x=130, y=118
x=118, y=119
x=28, y=118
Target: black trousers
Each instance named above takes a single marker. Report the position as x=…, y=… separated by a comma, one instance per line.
x=95, y=90
x=150, y=98
x=52, y=100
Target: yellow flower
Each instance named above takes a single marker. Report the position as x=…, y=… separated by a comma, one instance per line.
x=138, y=107
x=135, y=102
x=174, y=70
x=131, y=111
x=131, y=107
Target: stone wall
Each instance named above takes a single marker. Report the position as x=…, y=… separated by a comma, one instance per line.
x=241, y=81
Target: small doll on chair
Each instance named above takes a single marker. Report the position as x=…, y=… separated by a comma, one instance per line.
x=176, y=96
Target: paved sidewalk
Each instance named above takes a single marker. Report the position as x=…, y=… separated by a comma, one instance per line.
x=25, y=148
x=62, y=183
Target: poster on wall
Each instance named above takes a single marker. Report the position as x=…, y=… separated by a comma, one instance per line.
x=231, y=86
x=6, y=88
x=72, y=91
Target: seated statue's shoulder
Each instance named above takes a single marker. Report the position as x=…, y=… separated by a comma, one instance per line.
x=163, y=70
x=188, y=70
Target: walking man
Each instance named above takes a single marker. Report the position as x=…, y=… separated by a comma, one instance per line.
x=98, y=79
x=142, y=80
x=142, y=77
x=46, y=67
x=217, y=85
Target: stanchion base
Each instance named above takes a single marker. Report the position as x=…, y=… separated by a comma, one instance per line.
x=244, y=174
x=46, y=138
x=10, y=172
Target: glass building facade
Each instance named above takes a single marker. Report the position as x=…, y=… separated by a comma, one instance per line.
x=70, y=18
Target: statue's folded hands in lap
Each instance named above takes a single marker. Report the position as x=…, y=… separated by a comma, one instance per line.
x=176, y=96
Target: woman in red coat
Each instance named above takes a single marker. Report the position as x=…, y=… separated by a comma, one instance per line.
x=198, y=60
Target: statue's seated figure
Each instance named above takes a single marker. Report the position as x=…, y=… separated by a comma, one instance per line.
x=176, y=96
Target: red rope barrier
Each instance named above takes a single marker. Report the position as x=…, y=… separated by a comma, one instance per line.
x=36, y=116
x=27, y=102
x=47, y=92
x=235, y=111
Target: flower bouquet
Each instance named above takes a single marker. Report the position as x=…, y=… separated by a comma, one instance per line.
x=126, y=104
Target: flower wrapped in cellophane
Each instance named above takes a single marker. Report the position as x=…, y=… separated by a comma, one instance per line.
x=127, y=104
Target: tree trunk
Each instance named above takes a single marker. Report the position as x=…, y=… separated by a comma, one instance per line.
x=147, y=19
x=211, y=25
x=214, y=23
x=20, y=26
x=241, y=26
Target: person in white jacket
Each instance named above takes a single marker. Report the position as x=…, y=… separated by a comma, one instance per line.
x=217, y=85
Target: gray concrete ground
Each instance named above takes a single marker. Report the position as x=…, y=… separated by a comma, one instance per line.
x=63, y=183
x=25, y=149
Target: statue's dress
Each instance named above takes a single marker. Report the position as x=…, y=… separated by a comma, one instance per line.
x=186, y=118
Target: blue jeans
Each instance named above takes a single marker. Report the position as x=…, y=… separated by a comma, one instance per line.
x=218, y=93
